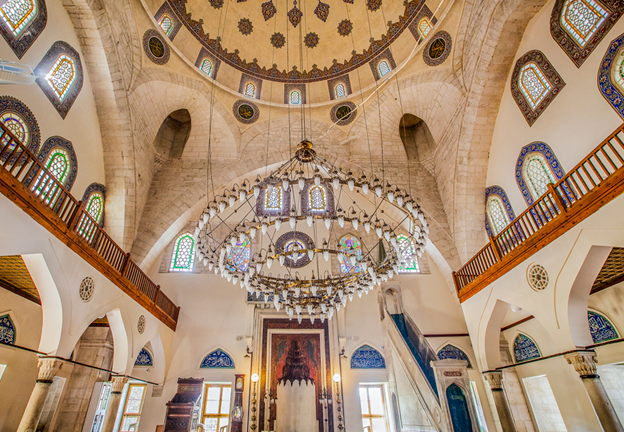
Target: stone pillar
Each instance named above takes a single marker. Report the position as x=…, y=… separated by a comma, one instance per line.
x=118, y=383
x=584, y=363
x=495, y=379
x=48, y=367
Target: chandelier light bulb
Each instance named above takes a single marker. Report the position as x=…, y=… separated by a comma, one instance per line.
x=278, y=305
x=311, y=319
x=313, y=288
x=341, y=221
x=351, y=184
x=299, y=318
x=242, y=194
x=327, y=222
x=252, y=232
x=292, y=221
x=310, y=309
x=364, y=265
x=336, y=181
x=365, y=188
x=326, y=255
x=256, y=191
x=350, y=297
x=310, y=254
x=387, y=235
x=258, y=267
x=409, y=206
x=378, y=191
x=269, y=262
x=270, y=189
x=232, y=200
x=298, y=309
x=297, y=294
x=301, y=182
x=400, y=201
x=206, y=217
x=233, y=241
x=210, y=265
x=228, y=248
x=329, y=291
x=206, y=262
x=278, y=224
x=355, y=222
x=322, y=318
x=242, y=236
x=285, y=184
x=340, y=256
x=282, y=259
x=221, y=206
x=367, y=226
x=353, y=260
x=309, y=219
x=213, y=212
x=323, y=308
x=317, y=180
x=379, y=231
x=234, y=280
x=391, y=196
x=359, y=292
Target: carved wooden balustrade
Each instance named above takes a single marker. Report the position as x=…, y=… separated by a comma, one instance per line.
x=27, y=182
x=594, y=182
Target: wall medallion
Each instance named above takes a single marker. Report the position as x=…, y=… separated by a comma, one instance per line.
x=86, y=289
x=294, y=241
x=537, y=277
x=438, y=49
x=155, y=48
x=343, y=113
x=278, y=40
x=245, y=111
x=141, y=324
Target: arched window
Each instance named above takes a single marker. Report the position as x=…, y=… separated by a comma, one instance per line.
x=7, y=330
x=350, y=246
x=61, y=76
x=95, y=206
x=424, y=27
x=367, y=357
x=183, y=256
x=238, y=258
x=340, y=91
x=166, y=24
x=537, y=174
x=144, y=359
x=383, y=67
x=525, y=349
x=582, y=18
x=16, y=124
x=601, y=328
x=250, y=90
x=295, y=97
x=58, y=164
x=409, y=260
x=317, y=198
x=218, y=359
x=452, y=352
x=18, y=14
x=206, y=67
x=273, y=200
x=533, y=84
x=497, y=216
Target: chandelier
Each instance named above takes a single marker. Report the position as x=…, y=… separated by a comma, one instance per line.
x=265, y=235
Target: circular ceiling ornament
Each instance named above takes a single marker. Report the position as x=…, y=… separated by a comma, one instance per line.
x=311, y=40
x=155, y=47
x=141, y=324
x=217, y=4
x=278, y=40
x=293, y=247
x=537, y=276
x=246, y=112
x=373, y=5
x=345, y=27
x=438, y=49
x=245, y=26
x=87, y=286
x=343, y=113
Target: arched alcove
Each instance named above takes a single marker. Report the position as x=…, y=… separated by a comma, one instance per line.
x=172, y=136
x=417, y=139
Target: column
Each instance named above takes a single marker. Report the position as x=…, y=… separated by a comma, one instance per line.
x=48, y=367
x=584, y=363
x=495, y=379
x=118, y=382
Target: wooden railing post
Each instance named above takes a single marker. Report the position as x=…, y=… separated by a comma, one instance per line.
x=559, y=201
x=124, y=266
x=74, y=219
x=156, y=293
x=495, y=249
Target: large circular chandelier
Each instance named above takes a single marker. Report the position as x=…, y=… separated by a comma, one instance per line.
x=266, y=235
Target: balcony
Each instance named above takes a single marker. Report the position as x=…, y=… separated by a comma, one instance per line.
x=26, y=182
x=594, y=182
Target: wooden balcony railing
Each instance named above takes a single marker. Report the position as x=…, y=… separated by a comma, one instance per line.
x=27, y=182
x=594, y=182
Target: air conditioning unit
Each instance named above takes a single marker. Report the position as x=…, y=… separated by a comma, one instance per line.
x=15, y=73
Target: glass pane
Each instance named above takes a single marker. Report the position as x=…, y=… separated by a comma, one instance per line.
x=224, y=421
x=212, y=407
x=214, y=393
x=133, y=406
x=127, y=422
x=366, y=424
x=211, y=424
x=376, y=401
x=136, y=392
x=225, y=402
x=379, y=424
x=364, y=400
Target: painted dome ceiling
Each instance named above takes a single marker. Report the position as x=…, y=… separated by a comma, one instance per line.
x=297, y=40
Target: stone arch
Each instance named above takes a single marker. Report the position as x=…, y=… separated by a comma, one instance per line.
x=172, y=136
x=489, y=335
x=417, y=140
x=392, y=299
x=122, y=341
x=112, y=57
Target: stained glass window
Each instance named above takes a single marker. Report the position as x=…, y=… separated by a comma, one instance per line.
x=525, y=349
x=166, y=24
x=533, y=84
x=206, y=67
x=537, y=174
x=350, y=246
x=250, y=90
x=601, y=328
x=238, y=258
x=424, y=27
x=16, y=124
x=409, y=262
x=317, y=198
x=132, y=408
x=295, y=97
x=273, y=200
x=61, y=76
x=496, y=214
x=340, y=91
x=581, y=19
x=182, y=259
x=95, y=205
x=384, y=68
x=58, y=164
x=18, y=14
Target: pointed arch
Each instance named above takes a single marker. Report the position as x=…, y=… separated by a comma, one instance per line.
x=58, y=156
x=536, y=166
x=8, y=332
x=340, y=91
x=94, y=198
x=183, y=256
x=22, y=22
x=498, y=210
x=295, y=97
x=144, y=359
x=525, y=348
x=250, y=90
x=217, y=359
x=601, y=328
x=383, y=68
x=450, y=351
x=367, y=357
